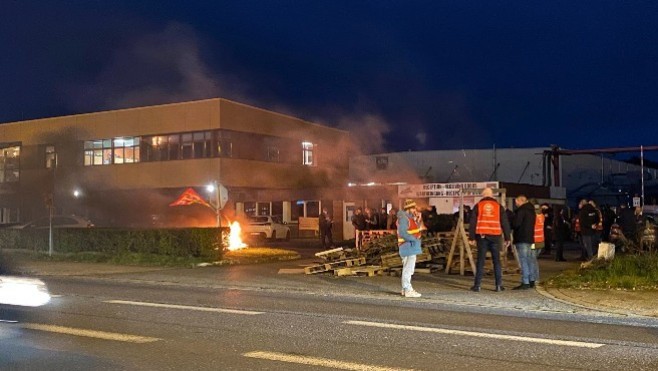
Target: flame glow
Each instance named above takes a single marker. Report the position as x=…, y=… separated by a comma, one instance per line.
x=234, y=239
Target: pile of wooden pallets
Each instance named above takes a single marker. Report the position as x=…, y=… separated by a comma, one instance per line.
x=380, y=255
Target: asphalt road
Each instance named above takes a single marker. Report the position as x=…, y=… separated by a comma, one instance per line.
x=115, y=325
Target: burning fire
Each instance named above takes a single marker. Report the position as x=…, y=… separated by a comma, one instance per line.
x=234, y=239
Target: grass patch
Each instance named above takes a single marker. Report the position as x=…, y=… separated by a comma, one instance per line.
x=253, y=255
x=627, y=272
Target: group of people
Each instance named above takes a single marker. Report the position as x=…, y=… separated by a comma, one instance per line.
x=371, y=219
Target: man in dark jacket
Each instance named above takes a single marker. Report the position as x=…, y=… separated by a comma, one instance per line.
x=487, y=227
x=524, y=236
x=589, y=219
x=627, y=221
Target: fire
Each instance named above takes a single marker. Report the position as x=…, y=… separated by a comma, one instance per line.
x=234, y=239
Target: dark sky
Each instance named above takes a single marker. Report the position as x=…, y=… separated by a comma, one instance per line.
x=400, y=74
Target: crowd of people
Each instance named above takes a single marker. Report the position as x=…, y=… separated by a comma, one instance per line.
x=534, y=229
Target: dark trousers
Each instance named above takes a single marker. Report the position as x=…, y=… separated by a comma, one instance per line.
x=559, y=247
x=548, y=240
x=325, y=234
x=587, y=241
x=491, y=244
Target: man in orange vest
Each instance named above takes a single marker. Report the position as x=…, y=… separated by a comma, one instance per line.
x=537, y=246
x=487, y=227
x=409, y=245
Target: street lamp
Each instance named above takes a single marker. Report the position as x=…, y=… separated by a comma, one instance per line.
x=77, y=193
x=212, y=188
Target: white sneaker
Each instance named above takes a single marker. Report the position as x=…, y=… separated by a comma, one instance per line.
x=412, y=294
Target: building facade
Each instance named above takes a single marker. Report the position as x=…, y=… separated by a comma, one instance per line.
x=122, y=168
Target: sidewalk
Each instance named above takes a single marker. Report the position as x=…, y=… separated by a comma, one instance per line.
x=436, y=287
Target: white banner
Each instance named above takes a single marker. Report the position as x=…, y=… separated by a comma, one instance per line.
x=443, y=189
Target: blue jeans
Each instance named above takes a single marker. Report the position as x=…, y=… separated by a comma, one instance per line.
x=534, y=270
x=491, y=244
x=525, y=256
x=408, y=267
x=588, y=240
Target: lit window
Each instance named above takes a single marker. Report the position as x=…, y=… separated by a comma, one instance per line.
x=51, y=157
x=120, y=150
x=307, y=154
x=9, y=164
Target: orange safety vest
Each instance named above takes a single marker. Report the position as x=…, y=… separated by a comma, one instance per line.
x=539, y=228
x=488, y=222
x=413, y=230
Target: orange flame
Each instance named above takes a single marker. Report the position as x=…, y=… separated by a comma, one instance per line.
x=234, y=238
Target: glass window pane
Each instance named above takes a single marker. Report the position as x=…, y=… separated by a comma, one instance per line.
x=98, y=157
x=118, y=155
x=107, y=156
x=107, y=143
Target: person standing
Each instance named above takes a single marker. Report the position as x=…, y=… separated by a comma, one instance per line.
x=561, y=234
x=487, y=227
x=537, y=246
x=588, y=222
x=547, y=211
x=524, y=233
x=409, y=246
x=392, y=219
x=325, y=225
x=359, y=220
x=382, y=218
x=372, y=219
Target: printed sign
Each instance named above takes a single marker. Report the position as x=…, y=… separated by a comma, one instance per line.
x=442, y=189
x=309, y=224
x=636, y=201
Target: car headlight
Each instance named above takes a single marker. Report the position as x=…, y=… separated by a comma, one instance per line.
x=22, y=291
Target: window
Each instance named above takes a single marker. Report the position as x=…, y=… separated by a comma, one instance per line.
x=9, y=164
x=120, y=150
x=312, y=209
x=51, y=157
x=224, y=144
x=307, y=154
x=250, y=208
x=382, y=162
x=202, y=144
x=273, y=154
x=263, y=208
x=174, y=146
x=187, y=146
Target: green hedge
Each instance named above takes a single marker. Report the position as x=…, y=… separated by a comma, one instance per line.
x=184, y=242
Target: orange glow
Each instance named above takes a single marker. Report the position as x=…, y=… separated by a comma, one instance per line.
x=234, y=239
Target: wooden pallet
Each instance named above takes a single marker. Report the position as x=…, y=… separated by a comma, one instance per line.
x=369, y=271
x=394, y=259
x=326, y=267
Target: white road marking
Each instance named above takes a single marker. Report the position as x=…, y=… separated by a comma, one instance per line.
x=186, y=307
x=90, y=333
x=316, y=361
x=478, y=334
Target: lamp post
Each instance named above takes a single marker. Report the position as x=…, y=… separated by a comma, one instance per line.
x=214, y=189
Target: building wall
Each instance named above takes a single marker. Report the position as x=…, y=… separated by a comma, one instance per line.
x=251, y=129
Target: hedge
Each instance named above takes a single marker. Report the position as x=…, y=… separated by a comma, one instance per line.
x=183, y=242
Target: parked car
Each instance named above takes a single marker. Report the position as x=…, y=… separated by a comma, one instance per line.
x=266, y=227
x=59, y=221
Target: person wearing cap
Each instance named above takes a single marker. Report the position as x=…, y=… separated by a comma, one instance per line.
x=488, y=226
x=409, y=245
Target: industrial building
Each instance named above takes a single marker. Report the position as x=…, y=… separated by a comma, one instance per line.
x=122, y=168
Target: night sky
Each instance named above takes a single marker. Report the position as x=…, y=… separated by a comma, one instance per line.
x=401, y=75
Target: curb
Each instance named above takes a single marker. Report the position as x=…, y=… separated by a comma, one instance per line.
x=556, y=295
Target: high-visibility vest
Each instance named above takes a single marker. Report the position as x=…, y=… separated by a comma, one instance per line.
x=599, y=226
x=576, y=226
x=488, y=221
x=539, y=228
x=413, y=230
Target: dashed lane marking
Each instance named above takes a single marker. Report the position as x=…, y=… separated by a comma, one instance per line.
x=478, y=334
x=185, y=307
x=89, y=333
x=316, y=361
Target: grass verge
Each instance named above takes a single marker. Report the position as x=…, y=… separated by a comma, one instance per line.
x=627, y=272
x=254, y=255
